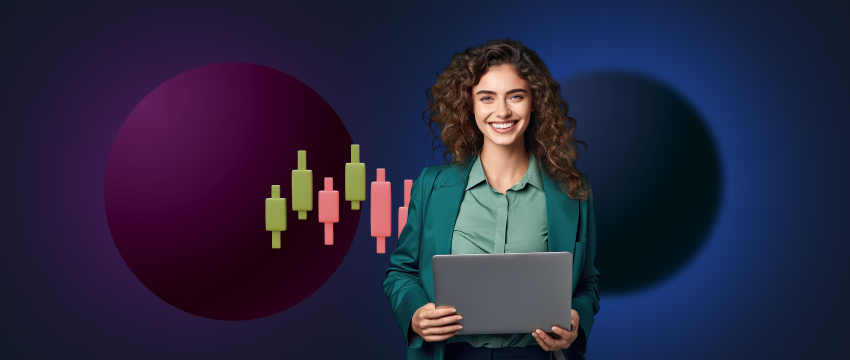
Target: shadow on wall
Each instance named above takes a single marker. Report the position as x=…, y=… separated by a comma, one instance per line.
x=655, y=173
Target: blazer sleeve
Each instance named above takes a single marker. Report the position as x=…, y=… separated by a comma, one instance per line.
x=586, y=297
x=402, y=285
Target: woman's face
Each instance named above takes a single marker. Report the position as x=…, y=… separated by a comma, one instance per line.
x=502, y=105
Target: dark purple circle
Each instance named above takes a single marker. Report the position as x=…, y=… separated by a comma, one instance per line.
x=187, y=180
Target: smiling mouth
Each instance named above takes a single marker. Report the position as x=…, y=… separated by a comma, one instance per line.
x=504, y=125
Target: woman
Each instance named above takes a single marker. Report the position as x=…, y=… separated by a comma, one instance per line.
x=511, y=186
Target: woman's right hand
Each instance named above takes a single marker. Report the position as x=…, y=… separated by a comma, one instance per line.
x=435, y=324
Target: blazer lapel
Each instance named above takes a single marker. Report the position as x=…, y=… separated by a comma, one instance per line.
x=446, y=198
x=561, y=217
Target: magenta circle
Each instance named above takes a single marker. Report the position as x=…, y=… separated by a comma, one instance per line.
x=186, y=182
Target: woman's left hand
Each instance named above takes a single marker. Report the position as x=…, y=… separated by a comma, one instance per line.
x=561, y=339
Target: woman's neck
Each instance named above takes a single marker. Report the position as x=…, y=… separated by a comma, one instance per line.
x=504, y=166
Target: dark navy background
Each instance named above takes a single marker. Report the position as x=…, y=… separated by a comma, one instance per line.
x=768, y=79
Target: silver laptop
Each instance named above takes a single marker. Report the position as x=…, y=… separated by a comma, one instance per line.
x=506, y=293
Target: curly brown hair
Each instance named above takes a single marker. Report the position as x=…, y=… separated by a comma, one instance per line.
x=549, y=136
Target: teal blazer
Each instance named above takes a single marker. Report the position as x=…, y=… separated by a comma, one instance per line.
x=434, y=204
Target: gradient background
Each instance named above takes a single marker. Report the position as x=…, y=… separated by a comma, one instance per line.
x=769, y=80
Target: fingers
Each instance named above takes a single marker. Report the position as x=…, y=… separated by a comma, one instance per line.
x=445, y=320
x=435, y=313
x=436, y=323
x=567, y=335
x=440, y=333
x=545, y=342
x=441, y=330
x=562, y=339
x=563, y=333
x=433, y=338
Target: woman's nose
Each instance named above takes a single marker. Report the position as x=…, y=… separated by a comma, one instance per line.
x=503, y=111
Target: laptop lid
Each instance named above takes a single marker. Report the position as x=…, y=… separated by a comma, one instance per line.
x=505, y=293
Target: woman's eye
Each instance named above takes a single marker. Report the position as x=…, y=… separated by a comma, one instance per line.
x=488, y=98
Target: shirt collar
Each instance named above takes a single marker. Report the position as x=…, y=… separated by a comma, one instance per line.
x=532, y=175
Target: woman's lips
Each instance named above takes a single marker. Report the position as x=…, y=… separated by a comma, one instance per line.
x=503, y=131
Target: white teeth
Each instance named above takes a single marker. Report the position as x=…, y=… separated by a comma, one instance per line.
x=503, y=125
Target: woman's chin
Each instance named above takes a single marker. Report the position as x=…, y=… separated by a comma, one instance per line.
x=506, y=140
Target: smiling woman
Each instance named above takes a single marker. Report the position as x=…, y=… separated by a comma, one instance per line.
x=502, y=115
x=511, y=186
x=500, y=85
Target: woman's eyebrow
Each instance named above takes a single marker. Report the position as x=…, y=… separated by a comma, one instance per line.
x=494, y=93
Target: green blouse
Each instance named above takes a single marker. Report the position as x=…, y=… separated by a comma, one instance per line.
x=491, y=222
